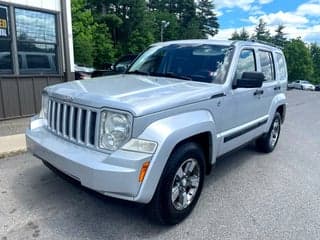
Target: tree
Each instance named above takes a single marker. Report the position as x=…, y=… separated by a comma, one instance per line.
x=207, y=17
x=104, y=51
x=315, y=55
x=243, y=35
x=82, y=22
x=299, y=60
x=261, y=31
x=279, y=39
x=172, y=31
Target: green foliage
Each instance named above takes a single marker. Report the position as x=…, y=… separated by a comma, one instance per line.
x=315, y=55
x=106, y=29
x=103, y=46
x=207, y=17
x=83, y=23
x=299, y=61
x=279, y=39
x=261, y=31
x=243, y=35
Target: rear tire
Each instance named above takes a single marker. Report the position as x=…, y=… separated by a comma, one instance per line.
x=180, y=185
x=268, y=141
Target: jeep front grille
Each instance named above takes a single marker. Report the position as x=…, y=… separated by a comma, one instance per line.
x=75, y=123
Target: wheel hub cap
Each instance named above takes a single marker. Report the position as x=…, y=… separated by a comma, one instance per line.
x=185, y=184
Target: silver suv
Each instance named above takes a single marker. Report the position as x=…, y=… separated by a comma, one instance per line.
x=152, y=134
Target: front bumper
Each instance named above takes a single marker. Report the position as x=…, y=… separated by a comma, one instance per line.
x=115, y=174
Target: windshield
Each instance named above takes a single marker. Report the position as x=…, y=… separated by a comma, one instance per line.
x=305, y=82
x=201, y=63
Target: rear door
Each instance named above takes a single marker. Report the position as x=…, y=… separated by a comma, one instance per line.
x=271, y=86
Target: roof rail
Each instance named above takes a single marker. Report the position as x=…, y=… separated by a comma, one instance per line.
x=266, y=43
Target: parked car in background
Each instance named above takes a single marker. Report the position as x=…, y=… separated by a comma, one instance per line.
x=82, y=72
x=317, y=88
x=303, y=85
x=120, y=66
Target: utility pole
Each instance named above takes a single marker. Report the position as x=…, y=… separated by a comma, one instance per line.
x=164, y=25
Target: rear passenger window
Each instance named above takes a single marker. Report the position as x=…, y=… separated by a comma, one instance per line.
x=267, y=65
x=246, y=63
x=282, y=69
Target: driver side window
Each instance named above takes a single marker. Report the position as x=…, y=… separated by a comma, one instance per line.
x=246, y=63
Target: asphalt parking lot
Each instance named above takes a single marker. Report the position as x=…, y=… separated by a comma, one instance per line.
x=248, y=195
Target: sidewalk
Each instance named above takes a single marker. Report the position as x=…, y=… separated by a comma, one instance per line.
x=12, y=145
x=12, y=138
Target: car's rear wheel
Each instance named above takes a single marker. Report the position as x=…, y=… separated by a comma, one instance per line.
x=180, y=185
x=268, y=141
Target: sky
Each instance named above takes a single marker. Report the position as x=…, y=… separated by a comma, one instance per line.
x=301, y=17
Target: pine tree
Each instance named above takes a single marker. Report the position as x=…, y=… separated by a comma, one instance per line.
x=262, y=33
x=235, y=35
x=279, y=39
x=208, y=18
x=243, y=35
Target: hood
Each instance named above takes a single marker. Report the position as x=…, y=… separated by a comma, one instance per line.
x=137, y=94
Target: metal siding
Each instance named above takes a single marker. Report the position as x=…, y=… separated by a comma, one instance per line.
x=23, y=94
x=10, y=97
x=2, y=116
x=26, y=94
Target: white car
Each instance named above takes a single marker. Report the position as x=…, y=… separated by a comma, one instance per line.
x=303, y=85
x=152, y=134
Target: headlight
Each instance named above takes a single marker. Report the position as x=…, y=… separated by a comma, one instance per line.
x=44, y=106
x=115, y=129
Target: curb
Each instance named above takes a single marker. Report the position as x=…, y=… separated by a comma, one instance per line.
x=12, y=145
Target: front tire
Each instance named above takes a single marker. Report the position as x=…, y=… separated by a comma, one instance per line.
x=180, y=185
x=268, y=142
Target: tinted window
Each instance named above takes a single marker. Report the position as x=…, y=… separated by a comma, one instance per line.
x=36, y=41
x=281, y=67
x=196, y=62
x=267, y=66
x=246, y=63
x=5, y=42
x=5, y=57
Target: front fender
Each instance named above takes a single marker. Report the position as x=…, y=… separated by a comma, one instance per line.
x=168, y=133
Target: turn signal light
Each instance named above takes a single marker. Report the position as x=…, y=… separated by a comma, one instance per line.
x=143, y=171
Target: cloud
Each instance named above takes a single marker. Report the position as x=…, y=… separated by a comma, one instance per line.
x=286, y=18
x=304, y=22
x=309, y=9
x=246, y=5
x=265, y=1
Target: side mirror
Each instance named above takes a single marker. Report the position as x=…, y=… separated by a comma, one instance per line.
x=250, y=80
x=121, y=69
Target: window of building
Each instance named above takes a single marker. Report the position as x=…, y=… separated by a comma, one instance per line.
x=281, y=66
x=246, y=63
x=36, y=41
x=267, y=66
x=5, y=42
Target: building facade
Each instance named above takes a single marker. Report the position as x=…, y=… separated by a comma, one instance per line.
x=36, y=50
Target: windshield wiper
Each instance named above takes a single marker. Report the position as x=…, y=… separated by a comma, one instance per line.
x=171, y=75
x=138, y=72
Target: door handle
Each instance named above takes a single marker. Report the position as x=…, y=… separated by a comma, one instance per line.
x=277, y=88
x=258, y=92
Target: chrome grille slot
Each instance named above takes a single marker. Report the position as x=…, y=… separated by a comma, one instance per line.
x=74, y=123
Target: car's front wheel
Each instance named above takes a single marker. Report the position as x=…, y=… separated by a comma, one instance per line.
x=180, y=185
x=268, y=141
